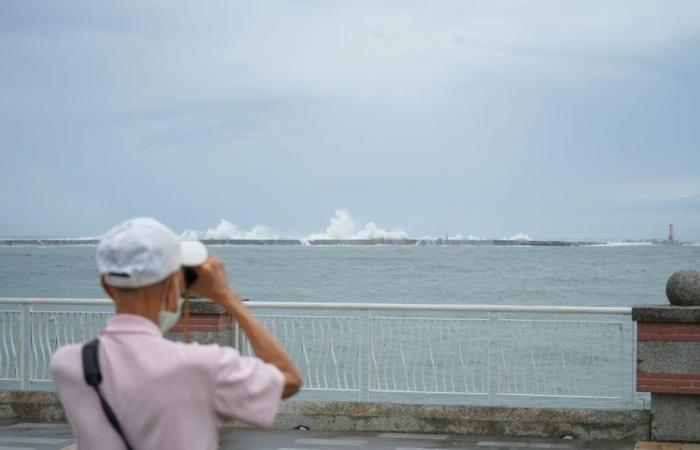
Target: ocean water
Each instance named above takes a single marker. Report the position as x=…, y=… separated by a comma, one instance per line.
x=581, y=276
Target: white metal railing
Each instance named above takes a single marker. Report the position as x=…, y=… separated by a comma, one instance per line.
x=468, y=354
x=33, y=328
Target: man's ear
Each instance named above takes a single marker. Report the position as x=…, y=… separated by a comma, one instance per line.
x=106, y=287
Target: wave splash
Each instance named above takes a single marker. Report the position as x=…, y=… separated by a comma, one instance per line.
x=227, y=230
x=623, y=244
x=518, y=237
x=343, y=226
x=456, y=237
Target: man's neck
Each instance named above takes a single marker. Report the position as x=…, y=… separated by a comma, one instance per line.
x=148, y=308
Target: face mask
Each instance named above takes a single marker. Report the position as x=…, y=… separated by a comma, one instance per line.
x=168, y=319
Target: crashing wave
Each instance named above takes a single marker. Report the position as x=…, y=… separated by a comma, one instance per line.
x=343, y=226
x=623, y=244
x=518, y=237
x=227, y=230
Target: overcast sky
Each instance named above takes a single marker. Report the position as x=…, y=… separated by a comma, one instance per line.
x=576, y=119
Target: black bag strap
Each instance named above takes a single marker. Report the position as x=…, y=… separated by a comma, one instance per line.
x=93, y=377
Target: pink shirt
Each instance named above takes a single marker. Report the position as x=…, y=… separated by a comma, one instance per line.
x=166, y=395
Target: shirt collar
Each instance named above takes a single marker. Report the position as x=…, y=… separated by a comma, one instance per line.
x=131, y=324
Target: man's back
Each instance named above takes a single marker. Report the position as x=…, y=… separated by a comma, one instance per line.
x=165, y=394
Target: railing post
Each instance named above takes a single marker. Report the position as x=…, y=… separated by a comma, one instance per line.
x=636, y=398
x=628, y=356
x=364, y=362
x=492, y=357
x=25, y=346
x=236, y=335
x=668, y=345
x=20, y=352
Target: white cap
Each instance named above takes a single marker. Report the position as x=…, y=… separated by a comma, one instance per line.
x=143, y=251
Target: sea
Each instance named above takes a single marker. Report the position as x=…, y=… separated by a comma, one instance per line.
x=603, y=275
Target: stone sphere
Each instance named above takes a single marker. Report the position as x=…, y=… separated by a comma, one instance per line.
x=683, y=288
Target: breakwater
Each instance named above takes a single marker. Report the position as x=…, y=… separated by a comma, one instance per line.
x=317, y=242
x=473, y=242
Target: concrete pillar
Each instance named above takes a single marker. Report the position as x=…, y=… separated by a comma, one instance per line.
x=209, y=324
x=668, y=366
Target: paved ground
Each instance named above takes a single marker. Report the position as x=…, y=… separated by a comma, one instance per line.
x=308, y=440
x=44, y=436
x=25, y=436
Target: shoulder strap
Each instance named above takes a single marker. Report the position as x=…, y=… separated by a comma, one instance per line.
x=93, y=377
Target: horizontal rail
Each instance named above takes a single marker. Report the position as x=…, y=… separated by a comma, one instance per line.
x=446, y=308
x=455, y=353
x=56, y=301
x=599, y=310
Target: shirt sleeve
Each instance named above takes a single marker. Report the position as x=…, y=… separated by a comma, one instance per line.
x=247, y=388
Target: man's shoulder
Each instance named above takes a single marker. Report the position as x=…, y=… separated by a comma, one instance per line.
x=66, y=360
x=184, y=354
x=207, y=358
x=205, y=352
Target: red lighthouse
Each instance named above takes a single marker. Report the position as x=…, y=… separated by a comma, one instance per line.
x=670, y=233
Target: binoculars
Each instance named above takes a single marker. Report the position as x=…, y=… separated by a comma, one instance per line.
x=190, y=276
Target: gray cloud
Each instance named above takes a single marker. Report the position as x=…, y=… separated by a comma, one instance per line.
x=681, y=206
x=484, y=118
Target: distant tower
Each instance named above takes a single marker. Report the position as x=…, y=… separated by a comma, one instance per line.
x=670, y=233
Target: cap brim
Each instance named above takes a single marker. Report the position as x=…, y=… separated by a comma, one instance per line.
x=193, y=253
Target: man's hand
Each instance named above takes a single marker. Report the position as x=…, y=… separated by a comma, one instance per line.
x=211, y=280
x=212, y=283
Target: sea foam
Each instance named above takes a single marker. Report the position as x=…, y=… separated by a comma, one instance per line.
x=518, y=237
x=624, y=244
x=343, y=226
x=226, y=230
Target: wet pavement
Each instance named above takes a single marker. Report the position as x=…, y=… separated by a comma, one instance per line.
x=43, y=436
x=307, y=440
x=39, y=436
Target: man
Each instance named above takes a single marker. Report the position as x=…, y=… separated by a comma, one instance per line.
x=164, y=394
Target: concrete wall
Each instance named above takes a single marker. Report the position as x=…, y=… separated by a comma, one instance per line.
x=350, y=416
x=676, y=417
x=472, y=420
x=668, y=366
x=32, y=406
